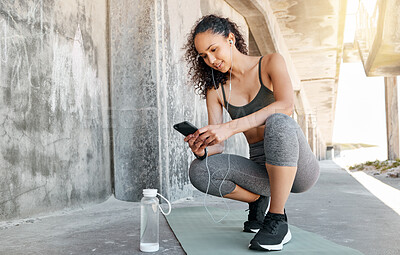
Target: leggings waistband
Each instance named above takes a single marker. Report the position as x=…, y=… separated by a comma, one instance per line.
x=257, y=144
x=257, y=153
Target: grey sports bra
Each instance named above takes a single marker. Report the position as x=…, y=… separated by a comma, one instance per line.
x=263, y=98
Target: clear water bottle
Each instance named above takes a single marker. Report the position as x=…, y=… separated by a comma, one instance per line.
x=149, y=220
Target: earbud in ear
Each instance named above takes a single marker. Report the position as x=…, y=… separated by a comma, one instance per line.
x=230, y=41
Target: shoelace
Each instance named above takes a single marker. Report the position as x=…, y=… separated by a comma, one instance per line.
x=271, y=223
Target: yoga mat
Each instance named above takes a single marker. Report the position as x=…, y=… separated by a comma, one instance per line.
x=198, y=234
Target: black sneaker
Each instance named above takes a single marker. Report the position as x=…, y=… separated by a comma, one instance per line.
x=273, y=234
x=256, y=214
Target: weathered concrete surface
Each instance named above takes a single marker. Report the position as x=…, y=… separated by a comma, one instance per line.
x=54, y=149
x=151, y=92
x=392, y=117
x=378, y=37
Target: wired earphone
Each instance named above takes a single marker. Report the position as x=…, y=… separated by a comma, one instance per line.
x=229, y=159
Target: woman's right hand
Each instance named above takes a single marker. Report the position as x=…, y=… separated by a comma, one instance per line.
x=197, y=148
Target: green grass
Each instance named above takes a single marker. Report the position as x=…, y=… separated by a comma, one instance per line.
x=353, y=146
x=381, y=166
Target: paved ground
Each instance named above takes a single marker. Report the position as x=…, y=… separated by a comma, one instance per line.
x=337, y=208
x=394, y=182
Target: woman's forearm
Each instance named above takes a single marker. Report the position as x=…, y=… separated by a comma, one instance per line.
x=213, y=149
x=259, y=117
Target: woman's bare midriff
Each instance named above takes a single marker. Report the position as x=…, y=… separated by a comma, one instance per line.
x=255, y=134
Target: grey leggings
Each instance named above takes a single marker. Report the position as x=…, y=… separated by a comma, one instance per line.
x=284, y=144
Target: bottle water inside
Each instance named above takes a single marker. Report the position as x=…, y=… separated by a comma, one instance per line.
x=149, y=221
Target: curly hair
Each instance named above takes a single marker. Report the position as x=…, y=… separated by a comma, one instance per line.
x=199, y=71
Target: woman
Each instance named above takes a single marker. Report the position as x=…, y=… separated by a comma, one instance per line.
x=258, y=95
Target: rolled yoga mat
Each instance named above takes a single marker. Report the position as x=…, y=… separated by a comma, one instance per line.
x=198, y=234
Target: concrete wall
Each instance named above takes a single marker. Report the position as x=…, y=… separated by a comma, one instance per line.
x=151, y=92
x=54, y=149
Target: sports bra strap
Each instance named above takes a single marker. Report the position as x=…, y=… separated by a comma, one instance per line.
x=259, y=77
x=223, y=93
x=259, y=71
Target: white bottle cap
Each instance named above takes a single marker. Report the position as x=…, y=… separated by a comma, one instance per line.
x=150, y=192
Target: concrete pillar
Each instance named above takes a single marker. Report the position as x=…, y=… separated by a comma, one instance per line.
x=316, y=146
x=302, y=121
x=302, y=108
x=392, y=117
x=321, y=147
x=312, y=136
x=337, y=150
x=330, y=152
x=151, y=91
x=134, y=98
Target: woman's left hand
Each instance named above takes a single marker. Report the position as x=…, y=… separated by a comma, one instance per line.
x=213, y=134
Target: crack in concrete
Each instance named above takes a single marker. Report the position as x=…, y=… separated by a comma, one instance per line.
x=4, y=127
x=20, y=194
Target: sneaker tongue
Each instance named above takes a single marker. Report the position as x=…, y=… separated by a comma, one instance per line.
x=276, y=216
x=257, y=209
x=270, y=222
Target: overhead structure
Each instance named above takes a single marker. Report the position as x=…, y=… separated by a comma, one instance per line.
x=378, y=37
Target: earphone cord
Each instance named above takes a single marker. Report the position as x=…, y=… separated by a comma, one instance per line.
x=229, y=161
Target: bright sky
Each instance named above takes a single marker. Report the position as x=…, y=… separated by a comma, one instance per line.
x=360, y=107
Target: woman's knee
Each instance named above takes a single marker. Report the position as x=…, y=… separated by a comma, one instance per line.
x=305, y=181
x=280, y=126
x=197, y=174
x=280, y=120
x=303, y=187
x=281, y=145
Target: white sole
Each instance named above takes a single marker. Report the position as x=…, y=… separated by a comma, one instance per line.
x=277, y=247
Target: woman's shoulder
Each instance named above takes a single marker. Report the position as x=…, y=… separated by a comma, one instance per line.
x=212, y=94
x=272, y=61
x=272, y=57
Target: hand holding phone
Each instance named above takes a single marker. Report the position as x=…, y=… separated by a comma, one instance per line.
x=185, y=128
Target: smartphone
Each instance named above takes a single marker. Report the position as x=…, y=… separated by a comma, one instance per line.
x=185, y=128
